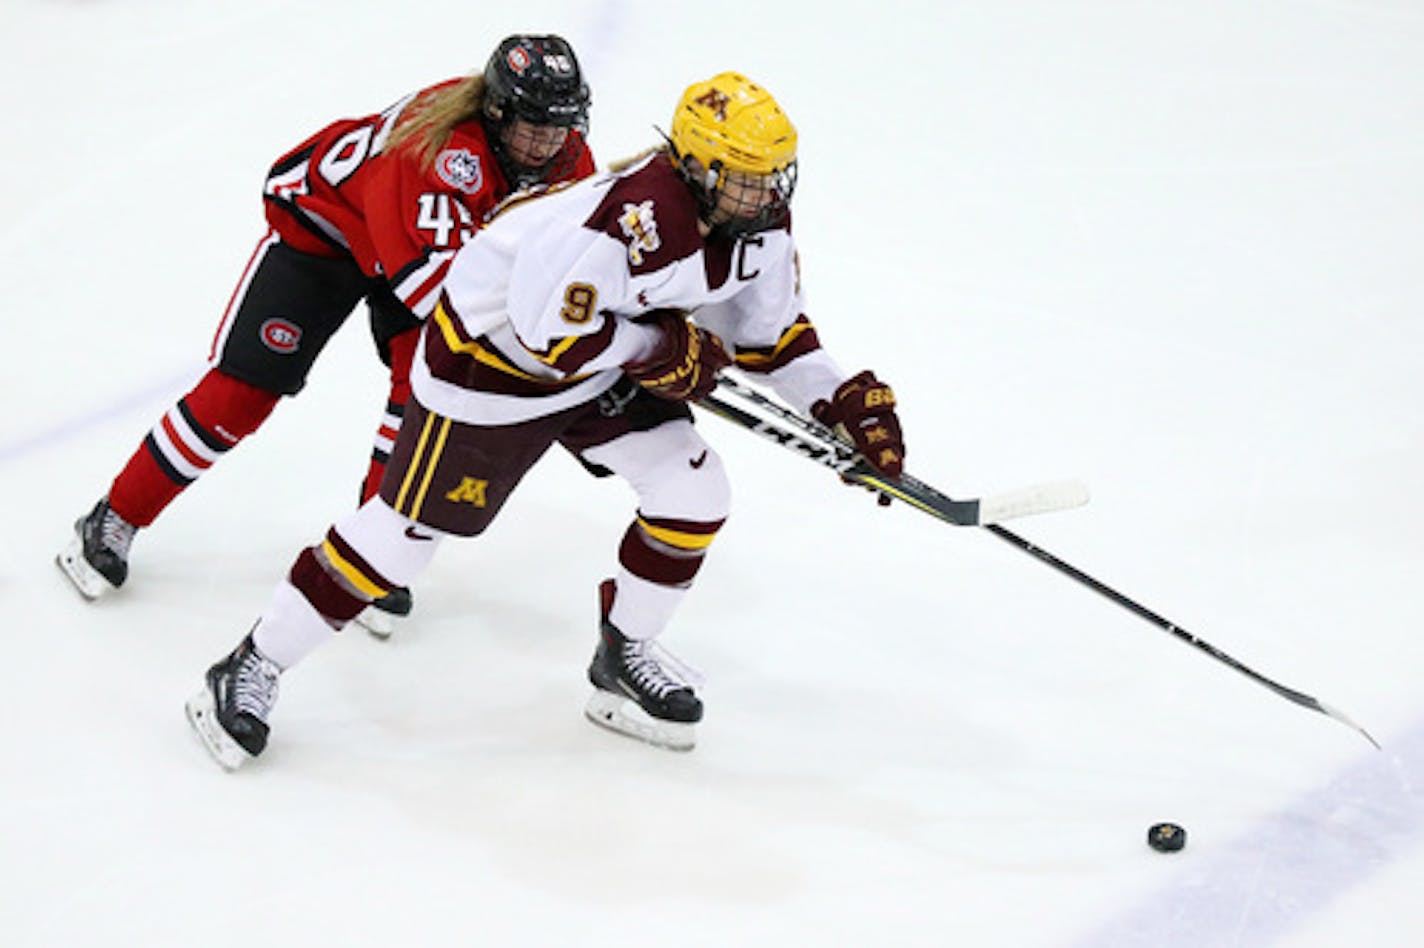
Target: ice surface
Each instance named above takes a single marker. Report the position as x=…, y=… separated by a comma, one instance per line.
x=1172, y=249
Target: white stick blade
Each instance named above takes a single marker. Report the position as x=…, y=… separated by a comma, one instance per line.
x=1043, y=498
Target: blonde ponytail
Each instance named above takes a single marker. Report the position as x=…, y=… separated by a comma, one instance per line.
x=425, y=125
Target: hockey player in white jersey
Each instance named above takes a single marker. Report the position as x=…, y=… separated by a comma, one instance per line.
x=586, y=315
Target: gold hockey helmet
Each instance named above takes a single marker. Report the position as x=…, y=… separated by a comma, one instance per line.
x=729, y=125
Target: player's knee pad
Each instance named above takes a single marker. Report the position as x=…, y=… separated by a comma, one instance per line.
x=675, y=473
x=686, y=487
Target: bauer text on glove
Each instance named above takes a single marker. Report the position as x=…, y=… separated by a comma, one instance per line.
x=863, y=408
x=685, y=364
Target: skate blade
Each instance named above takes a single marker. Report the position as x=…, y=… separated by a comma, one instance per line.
x=378, y=622
x=623, y=716
x=203, y=716
x=87, y=580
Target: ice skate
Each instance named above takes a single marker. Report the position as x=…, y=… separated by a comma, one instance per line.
x=634, y=694
x=381, y=617
x=230, y=714
x=97, y=557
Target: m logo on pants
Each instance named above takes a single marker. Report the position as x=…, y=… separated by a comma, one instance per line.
x=470, y=491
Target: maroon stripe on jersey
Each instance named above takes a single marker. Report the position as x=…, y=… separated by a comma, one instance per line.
x=662, y=232
x=723, y=253
x=798, y=340
x=336, y=604
x=481, y=367
x=717, y=261
x=580, y=349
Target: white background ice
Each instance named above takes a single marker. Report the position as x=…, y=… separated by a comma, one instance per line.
x=1173, y=249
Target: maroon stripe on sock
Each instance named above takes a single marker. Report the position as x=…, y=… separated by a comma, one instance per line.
x=697, y=527
x=334, y=601
x=349, y=554
x=657, y=565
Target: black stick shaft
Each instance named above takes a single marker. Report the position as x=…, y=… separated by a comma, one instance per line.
x=1141, y=611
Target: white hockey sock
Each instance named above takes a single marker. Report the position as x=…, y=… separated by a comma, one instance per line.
x=290, y=627
x=396, y=547
x=641, y=610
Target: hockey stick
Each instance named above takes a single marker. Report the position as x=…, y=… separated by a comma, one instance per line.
x=817, y=442
x=823, y=445
x=1137, y=609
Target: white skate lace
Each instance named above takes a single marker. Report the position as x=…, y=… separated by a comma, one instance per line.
x=116, y=533
x=255, y=686
x=656, y=670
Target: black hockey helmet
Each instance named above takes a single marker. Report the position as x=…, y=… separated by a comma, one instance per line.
x=537, y=79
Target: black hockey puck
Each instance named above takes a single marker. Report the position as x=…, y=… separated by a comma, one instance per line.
x=1166, y=837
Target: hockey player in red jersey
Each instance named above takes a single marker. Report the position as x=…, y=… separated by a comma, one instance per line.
x=371, y=209
x=587, y=317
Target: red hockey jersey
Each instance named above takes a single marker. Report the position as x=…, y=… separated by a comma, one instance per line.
x=337, y=193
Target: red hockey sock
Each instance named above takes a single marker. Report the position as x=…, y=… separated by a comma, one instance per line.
x=190, y=438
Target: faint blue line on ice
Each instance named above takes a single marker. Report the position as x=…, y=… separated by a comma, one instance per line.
x=1291, y=865
x=71, y=428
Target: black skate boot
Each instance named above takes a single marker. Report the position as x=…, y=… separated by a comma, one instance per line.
x=379, y=618
x=97, y=558
x=627, y=671
x=230, y=713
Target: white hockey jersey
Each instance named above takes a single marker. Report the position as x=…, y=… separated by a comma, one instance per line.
x=540, y=310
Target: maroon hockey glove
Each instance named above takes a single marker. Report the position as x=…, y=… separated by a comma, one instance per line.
x=863, y=408
x=685, y=364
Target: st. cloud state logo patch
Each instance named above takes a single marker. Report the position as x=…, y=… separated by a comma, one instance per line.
x=460, y=168
x=280, y=335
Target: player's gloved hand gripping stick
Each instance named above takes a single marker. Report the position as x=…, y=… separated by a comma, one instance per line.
x=811, y=439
